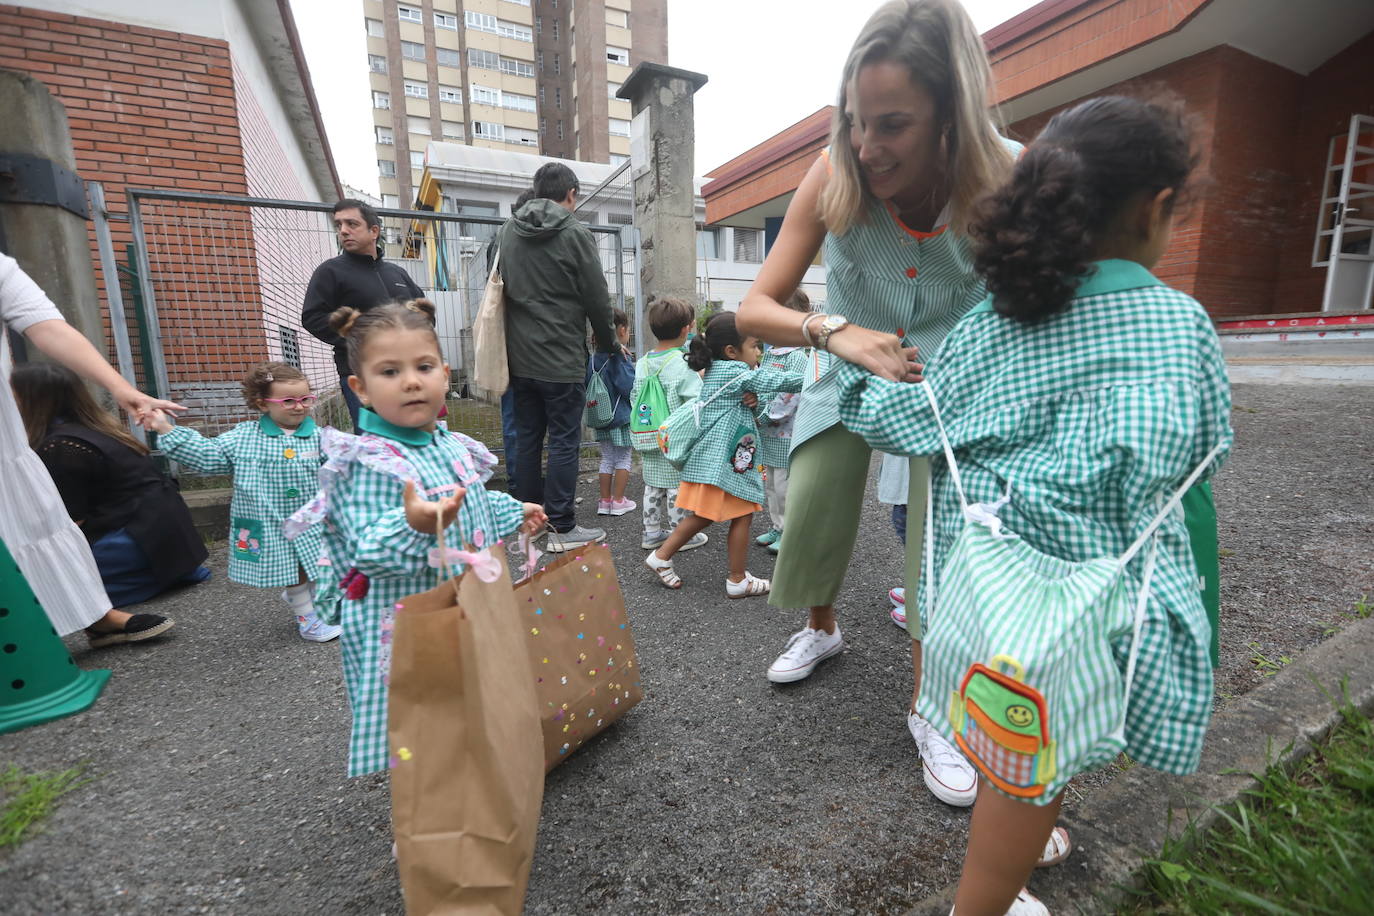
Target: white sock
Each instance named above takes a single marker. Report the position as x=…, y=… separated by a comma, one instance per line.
x=301, y=598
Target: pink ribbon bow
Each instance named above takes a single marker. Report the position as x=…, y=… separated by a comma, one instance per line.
x=481, y=562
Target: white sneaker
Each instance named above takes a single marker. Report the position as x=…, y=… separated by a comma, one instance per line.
x=805, y=650
x=574, y=538
x=697, y=540
x=313, y=629
x=1024, y=905
x=948, y=774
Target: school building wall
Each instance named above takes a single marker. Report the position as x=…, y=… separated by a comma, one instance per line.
x=1244, y=246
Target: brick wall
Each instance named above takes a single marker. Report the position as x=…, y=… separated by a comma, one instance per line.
x=153, y=109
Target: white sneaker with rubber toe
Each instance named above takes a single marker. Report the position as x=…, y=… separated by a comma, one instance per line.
x=948, y=774
x=805, y=650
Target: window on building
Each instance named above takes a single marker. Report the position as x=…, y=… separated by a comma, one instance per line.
x=487, y=60
x=539, y=59
x=539, y=25
x=290, y=345
x=557, y=64
x=611, y=89
x=558, y=97
x=451, y=94
x=417, y=159
x=375, y=28
x=618, y=56
x=619, y=127
x=390, y=201
x=447, y=57
x=386, y=168
x=543, y=126
x=617, y=159
x=409, y=14
x=482, y=22
x=381, y=100
x=708, y=243
x=417, y=125
x=555, y=30
x=488, y=130
x=452, y=130
x=483, y=95
x=384, y=135
x=445, y=21
x=619, y=219
x=517, y=102
x=376, y=63
x=412, y=50
x=517, y=31
x=541, y=94
x=416, y=90
x=560, y=128
x=516, y=67
x=521, y=136
x=747, y=246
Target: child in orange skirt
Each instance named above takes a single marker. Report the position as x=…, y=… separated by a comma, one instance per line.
x=721, y=480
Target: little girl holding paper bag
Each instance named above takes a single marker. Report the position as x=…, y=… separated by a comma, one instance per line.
x=383, y=494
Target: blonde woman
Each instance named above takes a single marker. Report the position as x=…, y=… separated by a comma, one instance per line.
x=911, y=149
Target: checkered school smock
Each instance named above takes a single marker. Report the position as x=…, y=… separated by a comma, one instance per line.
x=275, y=474
x=1093, y=417
x=726, y=456
x=365, y=530
x=680, y=384
x=775, y=436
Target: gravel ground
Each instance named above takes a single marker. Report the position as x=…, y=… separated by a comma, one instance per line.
x=218, y=753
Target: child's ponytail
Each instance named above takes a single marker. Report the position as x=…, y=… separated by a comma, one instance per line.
x=699, y=354
x=1038, y=235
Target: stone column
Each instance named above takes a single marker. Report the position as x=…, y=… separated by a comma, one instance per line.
x=43, y=209
x=663, y=137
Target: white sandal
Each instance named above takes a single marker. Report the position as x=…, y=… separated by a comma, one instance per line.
x=1025, y=904
x=750, y=586
x=664, y=568
x=1057, y=848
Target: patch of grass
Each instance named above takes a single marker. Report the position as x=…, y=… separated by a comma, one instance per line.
x=1360, y=611
x=1267, y=667
x=29, y=798
x=1295, y=844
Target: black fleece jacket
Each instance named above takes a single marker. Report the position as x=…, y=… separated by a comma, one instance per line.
x=354, y=280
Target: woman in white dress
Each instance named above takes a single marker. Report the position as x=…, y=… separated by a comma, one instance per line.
x=49, y=549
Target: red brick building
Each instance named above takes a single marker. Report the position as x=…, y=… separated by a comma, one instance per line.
x=1275, y=85
x=209, y=97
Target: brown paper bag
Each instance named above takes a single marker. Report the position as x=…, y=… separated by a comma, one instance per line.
x=467, y=778
x=580, y=648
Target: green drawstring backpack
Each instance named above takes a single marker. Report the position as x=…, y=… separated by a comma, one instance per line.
x=649, y=410
x=600, y=410
x=682, y=430
x=1018, y=664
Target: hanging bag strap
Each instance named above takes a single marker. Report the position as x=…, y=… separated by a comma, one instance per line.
x=699, y=405
x=1170, y=505
x=495, y=265
x=949, y=449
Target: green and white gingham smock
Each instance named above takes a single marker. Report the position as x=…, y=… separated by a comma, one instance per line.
x=1093, y=417
x=775, y=436
x=725, y=420
x=365, y=530
x=680, y=384
x=274, y=475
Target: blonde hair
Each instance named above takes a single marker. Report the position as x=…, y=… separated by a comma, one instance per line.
x=257, y=384
x=937, y=42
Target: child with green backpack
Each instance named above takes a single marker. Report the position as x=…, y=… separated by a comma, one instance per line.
x=662, y=384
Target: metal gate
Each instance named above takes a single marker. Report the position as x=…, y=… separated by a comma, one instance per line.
x=218, y=282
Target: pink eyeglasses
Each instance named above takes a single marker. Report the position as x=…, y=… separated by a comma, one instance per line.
x=307, y=401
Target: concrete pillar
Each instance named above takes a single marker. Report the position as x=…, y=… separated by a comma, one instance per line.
x=39, y=192
x=662, y=162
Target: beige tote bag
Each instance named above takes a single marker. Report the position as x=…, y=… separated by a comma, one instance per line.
x=490, y=370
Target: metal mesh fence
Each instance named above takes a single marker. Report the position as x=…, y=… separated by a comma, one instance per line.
x=218, y=283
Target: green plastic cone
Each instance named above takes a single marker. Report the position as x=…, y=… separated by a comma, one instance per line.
x=39, y=680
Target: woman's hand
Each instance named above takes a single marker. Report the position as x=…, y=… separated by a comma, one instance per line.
x=157, y=422
x=141, y=406
x=428, y=517
x=535, y=519
x=879, y=353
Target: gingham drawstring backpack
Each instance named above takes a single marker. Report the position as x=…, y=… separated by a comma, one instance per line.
x=1018, y=663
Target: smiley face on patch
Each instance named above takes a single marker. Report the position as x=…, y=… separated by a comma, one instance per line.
x=1020, y=716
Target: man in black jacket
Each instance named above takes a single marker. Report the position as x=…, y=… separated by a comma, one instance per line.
x=359, y=278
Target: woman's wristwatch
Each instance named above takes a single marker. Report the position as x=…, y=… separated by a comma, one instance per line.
x=829, y=325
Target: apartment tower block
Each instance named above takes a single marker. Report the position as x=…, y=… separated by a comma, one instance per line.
x=536, y=75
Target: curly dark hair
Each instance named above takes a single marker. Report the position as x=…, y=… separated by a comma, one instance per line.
x=1038, y=235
